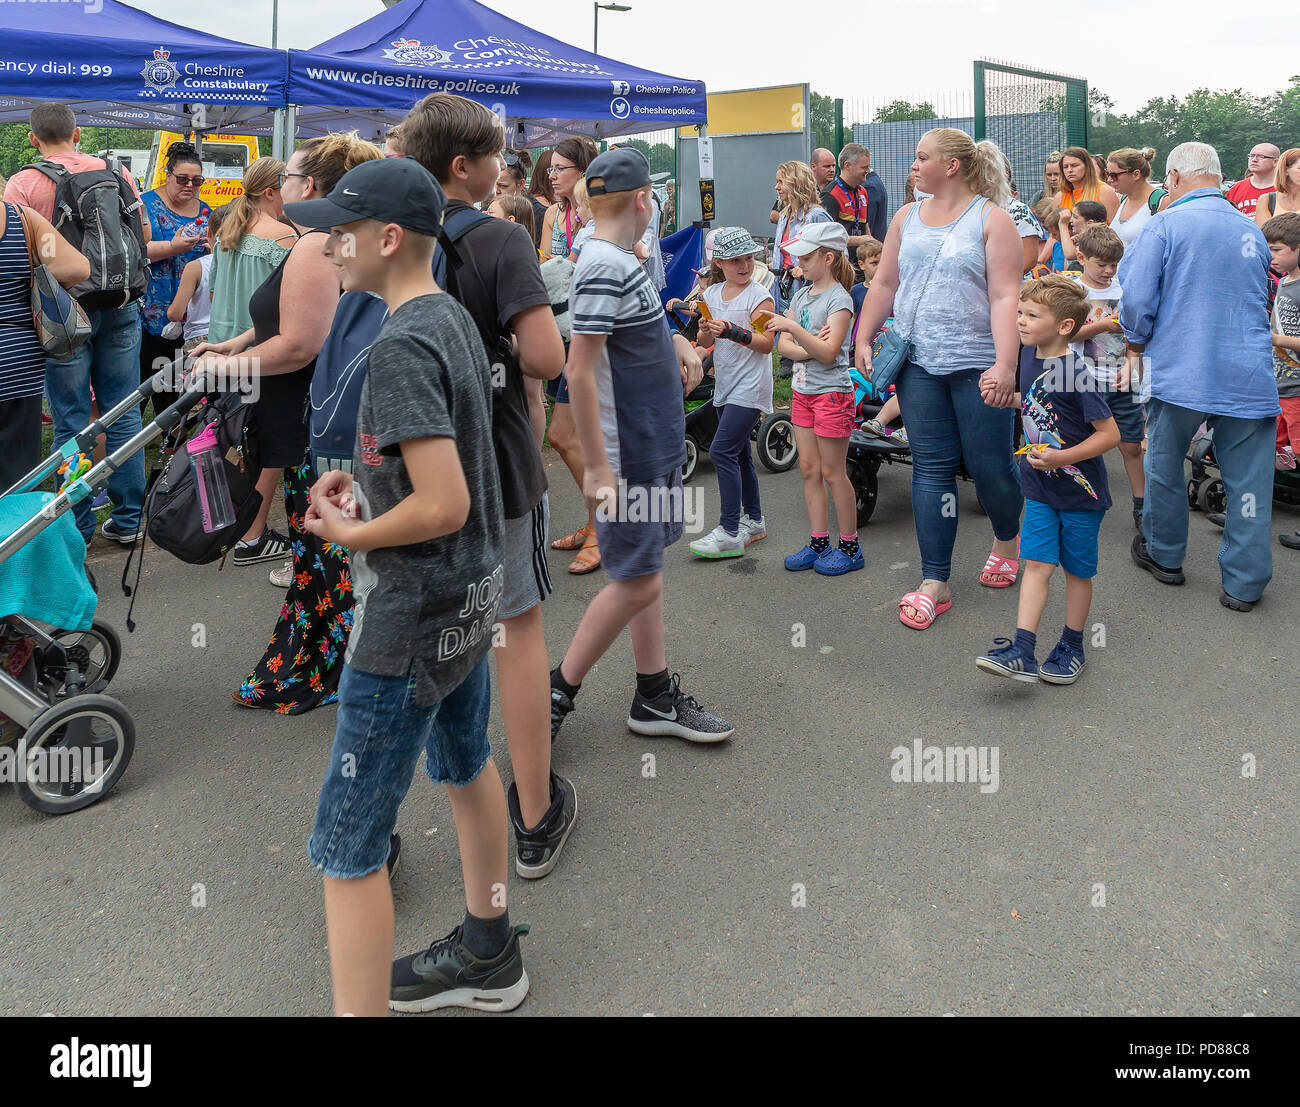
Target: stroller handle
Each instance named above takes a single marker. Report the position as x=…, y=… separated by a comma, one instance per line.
x=84, y=440
x=99, y=475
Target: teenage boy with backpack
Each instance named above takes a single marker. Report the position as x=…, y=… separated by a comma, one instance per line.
x=495, y=276
x=90, y=198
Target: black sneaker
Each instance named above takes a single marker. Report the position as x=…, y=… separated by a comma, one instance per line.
x=1144, y=560
x=537, y=851
x=394, y=853
x=449, y=975
x=561, y=708
x=1137, y=516
x=272, y=546
x=677, y=714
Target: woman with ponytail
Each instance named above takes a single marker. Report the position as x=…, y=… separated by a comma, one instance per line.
x=1080, y=180
x=291, y=314
x=950, y=276
x=1129, y=174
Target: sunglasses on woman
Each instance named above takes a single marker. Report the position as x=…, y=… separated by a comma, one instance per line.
x=185, y=181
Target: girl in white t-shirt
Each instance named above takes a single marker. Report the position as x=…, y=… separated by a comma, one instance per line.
x=739, y=308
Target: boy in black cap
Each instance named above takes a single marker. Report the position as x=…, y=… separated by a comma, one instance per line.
x=626, y=391
x=423, y=525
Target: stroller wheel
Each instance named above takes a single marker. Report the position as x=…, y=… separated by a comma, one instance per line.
x=97, y=652
x=692, y=459
x=776, y=446
x=75, y=753
x=865, y=488
x=1210, y=495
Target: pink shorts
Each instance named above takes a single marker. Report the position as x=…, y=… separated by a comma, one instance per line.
x=830, y=414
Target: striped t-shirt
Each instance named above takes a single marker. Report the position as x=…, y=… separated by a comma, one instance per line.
x=637, y=376
x=22, y=358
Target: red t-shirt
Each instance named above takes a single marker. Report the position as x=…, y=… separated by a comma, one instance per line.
x=1245, y=195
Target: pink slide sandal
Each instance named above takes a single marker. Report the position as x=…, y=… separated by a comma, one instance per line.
x=927, y=610
x=999, y=572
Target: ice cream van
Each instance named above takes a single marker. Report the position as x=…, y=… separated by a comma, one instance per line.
x=224, y=157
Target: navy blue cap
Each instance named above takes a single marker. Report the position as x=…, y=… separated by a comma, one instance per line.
x=621, y=170
x=392, y=190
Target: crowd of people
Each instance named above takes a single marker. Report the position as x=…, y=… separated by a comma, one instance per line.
x=405, y=311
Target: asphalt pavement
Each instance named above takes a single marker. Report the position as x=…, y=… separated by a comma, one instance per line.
x=1127, y=863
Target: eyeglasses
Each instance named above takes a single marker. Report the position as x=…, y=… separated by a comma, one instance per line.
x=555, y=170
x=509, y=158
x=184, y=181
x=282, y=177
x=1116, y=176
x=1262, y=157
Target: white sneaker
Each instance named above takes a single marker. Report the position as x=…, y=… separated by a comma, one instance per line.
x=751, y=530
x=283, y=576
x=718, y=543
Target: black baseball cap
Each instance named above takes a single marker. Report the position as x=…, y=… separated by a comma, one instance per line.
x=392, y=190
x=622, y=170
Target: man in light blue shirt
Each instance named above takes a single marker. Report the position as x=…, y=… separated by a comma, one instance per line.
x=1195, y=316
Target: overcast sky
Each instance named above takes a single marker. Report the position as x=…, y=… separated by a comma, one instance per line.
x=1132, y=49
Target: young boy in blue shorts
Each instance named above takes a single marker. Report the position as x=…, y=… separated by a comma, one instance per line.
x=1068, y=427
x=421, y=517
x=626, y=376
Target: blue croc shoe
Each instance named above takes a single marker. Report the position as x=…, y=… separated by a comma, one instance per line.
x=1009, y=660
x=804, y=559
x=1063, y=666
x=835, y=562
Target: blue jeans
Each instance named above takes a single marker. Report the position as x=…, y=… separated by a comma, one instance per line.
x=377, y=741
x=948, y=423
x=109, y=361
x=734, y=462
x=1244, y=451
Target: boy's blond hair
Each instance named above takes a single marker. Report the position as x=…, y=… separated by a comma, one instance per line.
x=581, y=200
x=1048, y=214
x=869, y=249
x=1100, y=243
x=1064, y=298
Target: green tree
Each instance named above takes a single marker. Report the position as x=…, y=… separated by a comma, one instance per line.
x=662, y=158
x=822, y=123
x=899, y=111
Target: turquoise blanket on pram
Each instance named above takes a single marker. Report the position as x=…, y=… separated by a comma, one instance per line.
x=45, y=580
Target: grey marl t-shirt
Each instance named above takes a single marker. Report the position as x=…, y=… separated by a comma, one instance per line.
x=434, y=602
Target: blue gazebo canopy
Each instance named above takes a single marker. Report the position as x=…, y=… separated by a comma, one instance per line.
x=369, y=77
x=120, y=67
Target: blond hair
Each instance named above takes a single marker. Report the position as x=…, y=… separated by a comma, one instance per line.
x=244, y=209
x=1054, y=158
x=983, y=165
x=581, y=201
x=1064, y=298
x=800, y=188
x=1284, y=164
x=613, y=204
x=1130, y=160
x=519, y=208
x=869, y=249
x=327, y=158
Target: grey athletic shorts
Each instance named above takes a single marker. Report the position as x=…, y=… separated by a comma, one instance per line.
x=527, y=581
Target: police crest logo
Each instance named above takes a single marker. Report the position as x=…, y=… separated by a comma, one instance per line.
x=160, y=73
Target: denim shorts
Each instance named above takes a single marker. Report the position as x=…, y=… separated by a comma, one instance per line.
x=377, y=741
x=1064, y=538
x=652, y=519
x=1129, y=415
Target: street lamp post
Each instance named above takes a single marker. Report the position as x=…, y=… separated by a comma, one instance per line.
x=595, y=20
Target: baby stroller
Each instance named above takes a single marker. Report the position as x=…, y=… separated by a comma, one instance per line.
x=868, y=452
x=74, y=742
x=1205, y=491
x=773, y=436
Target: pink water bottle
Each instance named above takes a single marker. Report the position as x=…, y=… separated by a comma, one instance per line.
x=210, y=476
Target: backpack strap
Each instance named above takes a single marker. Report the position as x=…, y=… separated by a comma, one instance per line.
x=1155, y=199
x=454, y=228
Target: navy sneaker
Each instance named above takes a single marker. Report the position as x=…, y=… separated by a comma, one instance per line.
x=835, y=562
x=1063, y=666
x=1009, y=660
x=537, y=850
x=804, y=559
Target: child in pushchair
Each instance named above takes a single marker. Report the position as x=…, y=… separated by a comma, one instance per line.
x=72, y=742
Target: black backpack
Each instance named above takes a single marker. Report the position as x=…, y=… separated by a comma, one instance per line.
x=99, y=214
x=173, y=518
